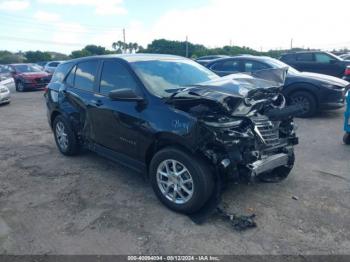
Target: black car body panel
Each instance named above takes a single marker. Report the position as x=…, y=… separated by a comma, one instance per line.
x=329, y=91
x=318, y=62
x=217, y=120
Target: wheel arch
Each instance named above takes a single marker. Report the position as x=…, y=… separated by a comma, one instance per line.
x=163, y=140
x=302, y=87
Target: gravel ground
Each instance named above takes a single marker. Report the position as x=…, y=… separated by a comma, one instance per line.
x=51, y=204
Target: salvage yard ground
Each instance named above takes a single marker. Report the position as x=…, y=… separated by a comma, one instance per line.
x=51, y=204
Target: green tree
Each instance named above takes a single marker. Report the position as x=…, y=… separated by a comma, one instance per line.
x=7, y=57
x=80, y=53
x=37, y=56
x=95, y=50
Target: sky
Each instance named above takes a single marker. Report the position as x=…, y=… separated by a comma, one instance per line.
x=66, y=25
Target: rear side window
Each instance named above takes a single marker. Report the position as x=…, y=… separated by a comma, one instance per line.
x=228, y=66
x=54, y=64
x=85, y=75
x=115, y=76
x=252, y=66
x=306, y=57
x=61, y=72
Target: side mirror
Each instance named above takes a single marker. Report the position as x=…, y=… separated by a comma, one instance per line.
x=124, y=94
x=333, y=61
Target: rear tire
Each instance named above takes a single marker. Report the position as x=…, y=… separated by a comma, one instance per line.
x=346, y=138
x=171, y=188
x=307, y=102
x=65, y=137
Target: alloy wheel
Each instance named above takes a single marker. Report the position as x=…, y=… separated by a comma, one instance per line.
x=303, y=101
x=175, y=181
x=61, y=135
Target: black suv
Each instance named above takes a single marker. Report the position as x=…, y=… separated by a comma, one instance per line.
x=318, y=62
x=310, y=90
x=175, y=120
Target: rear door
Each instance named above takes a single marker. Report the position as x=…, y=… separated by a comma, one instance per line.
x=79, y=89
x=305, y=62
x=116, y=123
x=227, y=67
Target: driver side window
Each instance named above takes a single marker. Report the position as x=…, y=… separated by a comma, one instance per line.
x=115, y=76
x=323, y=58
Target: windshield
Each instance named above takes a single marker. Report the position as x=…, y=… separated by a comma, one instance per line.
x=164, y=77
x=279, y=64
x=26, y=68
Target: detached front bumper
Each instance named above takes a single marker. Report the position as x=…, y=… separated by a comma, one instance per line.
x=269, y=163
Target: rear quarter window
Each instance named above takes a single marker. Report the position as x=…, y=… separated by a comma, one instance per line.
x=288, y=58
x=61, y=72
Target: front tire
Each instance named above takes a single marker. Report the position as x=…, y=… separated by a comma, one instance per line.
x=181, y=181
x=346, y=138
x=65, y=137
x=20, y=86
x=307, y=102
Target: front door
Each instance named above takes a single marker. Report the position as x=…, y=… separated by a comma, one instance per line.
x=116, y=123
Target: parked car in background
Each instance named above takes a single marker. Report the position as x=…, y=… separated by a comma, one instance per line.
x=5, y=97
x=345, y=57
x=42, y=63
x=170, y=117
x=28, y=77
x=318, y=62
x=203, y=60
x=51, y=66
x=312, y=91
x=4, y=72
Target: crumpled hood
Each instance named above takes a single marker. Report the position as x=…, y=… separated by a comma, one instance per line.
x=325, y=79
x=230, y=91
x=235, y=85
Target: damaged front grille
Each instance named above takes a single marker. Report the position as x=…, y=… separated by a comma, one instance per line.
x=267, y=131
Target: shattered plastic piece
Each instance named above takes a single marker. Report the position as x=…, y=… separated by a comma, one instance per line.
x=295, y=197
x=238, y=222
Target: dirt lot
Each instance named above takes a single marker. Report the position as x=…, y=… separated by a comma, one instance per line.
x=51, y=204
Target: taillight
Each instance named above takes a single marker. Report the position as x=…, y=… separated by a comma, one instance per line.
x=347, y=71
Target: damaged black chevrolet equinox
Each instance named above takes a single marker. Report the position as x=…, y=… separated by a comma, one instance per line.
x=176, y=121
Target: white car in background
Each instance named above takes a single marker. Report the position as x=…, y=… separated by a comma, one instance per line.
x=5, y=97
x=51, y=66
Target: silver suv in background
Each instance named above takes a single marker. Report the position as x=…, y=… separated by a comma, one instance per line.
x=50, y=67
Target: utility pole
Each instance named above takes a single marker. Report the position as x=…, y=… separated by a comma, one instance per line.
x=186, y=46
x=124, y=51
x=291, y=44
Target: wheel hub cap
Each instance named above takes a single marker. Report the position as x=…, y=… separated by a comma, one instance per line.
x=175, y=181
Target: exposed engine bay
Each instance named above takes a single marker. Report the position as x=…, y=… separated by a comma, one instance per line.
x=247, y=134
